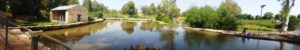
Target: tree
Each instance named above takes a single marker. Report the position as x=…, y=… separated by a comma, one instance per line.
x=278, y=17
x=148, y=10
x=205, y=17
x=168, y=8
x=258, y=17
x=298, y=16
x=71, y=2
x=87, y=4
x=229, y=10
x=245, y=17
x=129, y=9
x=3, y=4
x=268, y=15
x=286, y=7
x=111, y=13
x=293, y=22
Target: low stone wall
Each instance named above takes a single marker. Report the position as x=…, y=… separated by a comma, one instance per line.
x=128, y=19
x=55, y=27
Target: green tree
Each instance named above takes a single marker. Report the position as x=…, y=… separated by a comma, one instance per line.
x=148, y=10
x=245, y=17
x=205, y=17
x=286, y=7
x=229, y=10
x=96, y=10
x=87, y=4
x=129, y=9
x=268, y=15
x=298, y=16
x=278, y=17
x=111, y=13
x=293, y=22
x=168, y=8
x=258, y=17
x=71, y=2
x=3, y=5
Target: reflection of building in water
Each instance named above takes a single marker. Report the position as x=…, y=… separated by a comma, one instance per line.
x=71, y=35
x=128, y=27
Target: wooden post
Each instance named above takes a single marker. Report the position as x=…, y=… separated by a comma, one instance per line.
x=6, y=34
x=34, y=43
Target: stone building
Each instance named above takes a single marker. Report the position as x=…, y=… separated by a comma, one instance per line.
x=69, y=14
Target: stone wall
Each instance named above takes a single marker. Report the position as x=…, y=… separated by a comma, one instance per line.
x=73, y=13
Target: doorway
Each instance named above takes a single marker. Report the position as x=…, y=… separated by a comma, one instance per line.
x=78, y=17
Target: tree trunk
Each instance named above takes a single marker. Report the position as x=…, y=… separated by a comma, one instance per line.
x=285, y=24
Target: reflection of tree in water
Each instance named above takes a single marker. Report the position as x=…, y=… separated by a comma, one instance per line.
x=71, y=35
x=211, y=39
x=168, y=37
x=128, y=27
x=151, y=26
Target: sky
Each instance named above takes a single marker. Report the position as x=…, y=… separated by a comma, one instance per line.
x=247, y=6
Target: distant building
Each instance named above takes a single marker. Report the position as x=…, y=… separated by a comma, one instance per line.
x=69, y=14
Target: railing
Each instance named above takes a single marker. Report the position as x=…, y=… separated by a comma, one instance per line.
x=34, y=38
x=53, y=43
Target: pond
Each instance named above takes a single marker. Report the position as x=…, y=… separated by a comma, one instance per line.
x=126, y=35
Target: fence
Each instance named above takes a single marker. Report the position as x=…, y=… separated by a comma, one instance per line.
x=4, y=22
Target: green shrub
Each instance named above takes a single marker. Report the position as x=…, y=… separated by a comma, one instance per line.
x=261, y=25
x=294, y=22
x=265, y=23
x=164, y=19
x=255, y=27
x=204, y=17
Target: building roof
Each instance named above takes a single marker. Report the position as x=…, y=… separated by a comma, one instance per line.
x=64, y=7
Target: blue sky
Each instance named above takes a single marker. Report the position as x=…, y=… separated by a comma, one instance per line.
x=248, y=6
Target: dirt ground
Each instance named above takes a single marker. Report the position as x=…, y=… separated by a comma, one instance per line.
x=16, y=40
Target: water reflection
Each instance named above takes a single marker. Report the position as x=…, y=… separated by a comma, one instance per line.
x=168, y=37
x=210, y=39
x=141, y=35
x=151, y=26
x=128, y=27
x=71, y=35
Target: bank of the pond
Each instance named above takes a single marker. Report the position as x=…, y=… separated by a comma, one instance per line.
x=275, y=36
x=135, y=19
x=55, y=27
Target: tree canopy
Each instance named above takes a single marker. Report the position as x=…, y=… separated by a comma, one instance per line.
x=149, y=10
x=129, y=9
x=229, y=10
x=205, y=17
x=268, y=15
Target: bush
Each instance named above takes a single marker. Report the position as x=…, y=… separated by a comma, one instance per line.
x=164, y=19
x=294, y=22
x=205, y=17
x=261, y=25
x=255, y=27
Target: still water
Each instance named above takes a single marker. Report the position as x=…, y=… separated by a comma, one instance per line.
x=121, y=35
